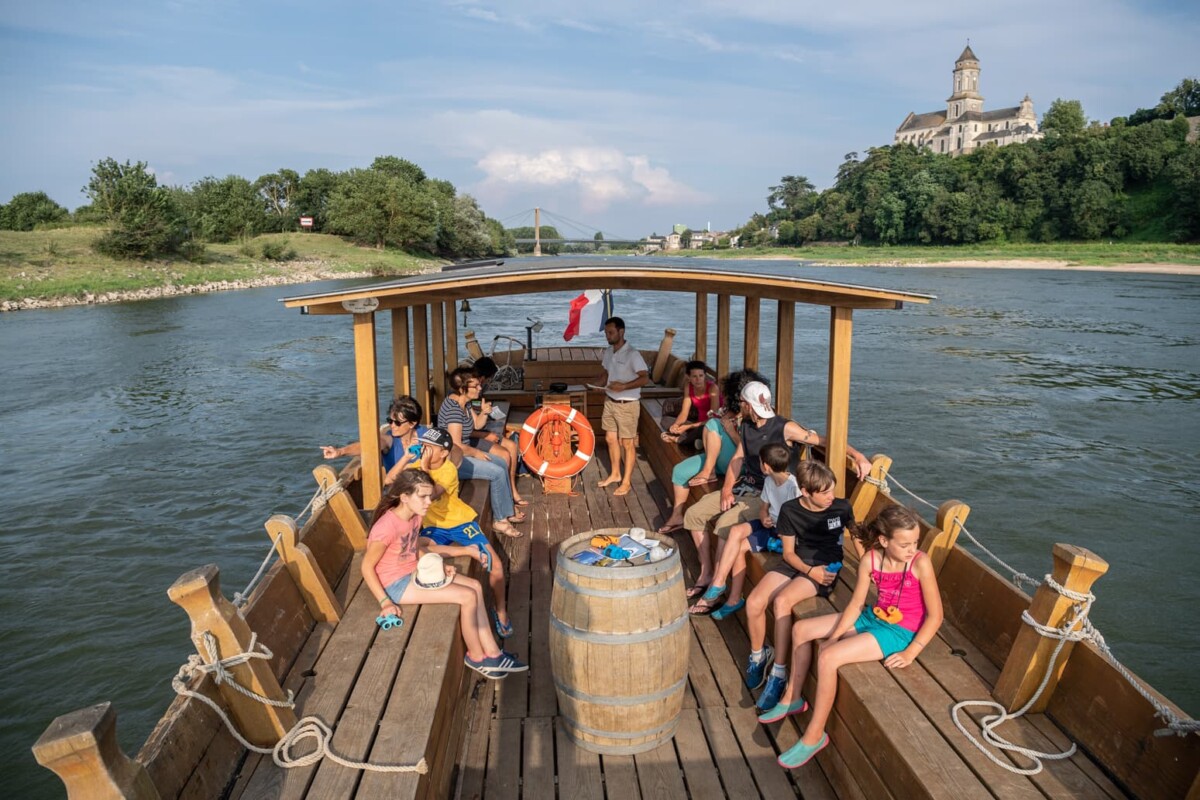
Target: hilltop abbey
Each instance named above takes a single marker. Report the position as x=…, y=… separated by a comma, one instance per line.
x=964, y=125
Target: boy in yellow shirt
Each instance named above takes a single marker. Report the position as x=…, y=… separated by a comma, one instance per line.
x=451, y=527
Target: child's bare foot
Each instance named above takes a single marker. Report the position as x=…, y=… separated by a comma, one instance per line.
x=623, y=489
x=701, y=479
x=611, y=479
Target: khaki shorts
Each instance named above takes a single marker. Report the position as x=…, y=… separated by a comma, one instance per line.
x=621, y=417
x=708, y=509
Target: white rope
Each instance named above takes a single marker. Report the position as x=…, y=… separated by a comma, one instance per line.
x=313, y=728
x=1018, y=577
x=1175, y=724
x=240, y=598
x=318, y=500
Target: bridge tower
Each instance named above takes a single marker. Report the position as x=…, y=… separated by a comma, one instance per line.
x=537, y=231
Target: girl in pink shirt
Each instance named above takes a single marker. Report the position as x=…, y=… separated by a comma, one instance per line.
x=391, y=560
x=904, y=619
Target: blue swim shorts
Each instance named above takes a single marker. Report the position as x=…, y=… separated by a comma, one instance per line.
x=891, y=637
x=468, y=533
x=395, y=590
x=759, y=536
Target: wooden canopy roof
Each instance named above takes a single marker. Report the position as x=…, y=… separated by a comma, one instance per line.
x=525, y=276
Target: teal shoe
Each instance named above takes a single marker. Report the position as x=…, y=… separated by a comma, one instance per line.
x=800, y=753
x=782, y=710
x=729, y=609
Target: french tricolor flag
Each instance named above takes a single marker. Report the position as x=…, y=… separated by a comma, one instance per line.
x=589, y=312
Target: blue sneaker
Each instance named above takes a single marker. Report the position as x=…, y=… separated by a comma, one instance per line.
x=773, y=691
x=756, y=671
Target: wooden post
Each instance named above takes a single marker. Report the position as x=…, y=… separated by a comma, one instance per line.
x=343, y=507
x=865, y=493
x=401, y=373
x=437, y=338
x=368, y=407
x=664, y=352
x=785, y=352
x=1076, y=569
x=199, y=594
x=302, y=566
x=951, y=516
x=702, y=327
x=722, y=334
x=750, y=338
x=451, y=336
x=837, y=408
x=420, y=341
x=82, y=749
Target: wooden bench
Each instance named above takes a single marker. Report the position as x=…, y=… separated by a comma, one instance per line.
x=391, y=696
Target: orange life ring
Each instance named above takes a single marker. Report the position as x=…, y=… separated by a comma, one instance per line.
x=586, y=445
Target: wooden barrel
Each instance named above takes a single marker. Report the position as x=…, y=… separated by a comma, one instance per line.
x=619, y=639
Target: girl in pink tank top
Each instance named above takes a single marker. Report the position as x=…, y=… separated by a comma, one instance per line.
x=903, y=620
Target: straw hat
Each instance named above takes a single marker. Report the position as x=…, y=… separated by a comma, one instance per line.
x=431, y=572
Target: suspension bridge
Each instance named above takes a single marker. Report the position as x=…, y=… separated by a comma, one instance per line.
x=582, y=234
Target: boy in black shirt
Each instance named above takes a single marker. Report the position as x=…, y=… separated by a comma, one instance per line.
x=811, y=528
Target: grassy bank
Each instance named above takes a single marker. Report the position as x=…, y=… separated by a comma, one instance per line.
x=1073, y=253
x=61, y=263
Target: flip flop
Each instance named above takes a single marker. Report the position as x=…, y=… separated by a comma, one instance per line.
x=703, y=607
x=669, y=528
x=698, y=481
x=666, y=436
x=518, y=518
x=521, y=503
x=697, y=591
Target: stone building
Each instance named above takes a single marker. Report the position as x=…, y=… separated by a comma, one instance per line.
x=964, y=125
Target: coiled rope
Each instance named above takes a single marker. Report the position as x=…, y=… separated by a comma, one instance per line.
x=313, y=728
x=1082, y=604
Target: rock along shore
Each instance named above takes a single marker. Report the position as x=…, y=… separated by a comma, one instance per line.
x=298, y=272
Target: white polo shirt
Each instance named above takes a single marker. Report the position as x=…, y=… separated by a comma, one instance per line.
x=623, y=366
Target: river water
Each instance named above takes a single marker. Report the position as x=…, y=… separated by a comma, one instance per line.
x=141, y=440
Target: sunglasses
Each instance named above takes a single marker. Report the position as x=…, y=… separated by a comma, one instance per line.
x=398, y=422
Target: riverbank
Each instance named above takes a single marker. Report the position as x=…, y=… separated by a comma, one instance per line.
x=57, y=268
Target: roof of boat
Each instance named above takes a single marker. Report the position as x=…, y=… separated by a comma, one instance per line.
x=762, y=279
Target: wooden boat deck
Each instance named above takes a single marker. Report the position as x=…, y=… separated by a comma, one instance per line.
x=892, y=731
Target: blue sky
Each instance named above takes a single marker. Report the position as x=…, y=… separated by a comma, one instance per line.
x=627, y=117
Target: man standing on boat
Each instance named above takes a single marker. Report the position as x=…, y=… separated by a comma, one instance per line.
x=625, y=373
x=739, y=498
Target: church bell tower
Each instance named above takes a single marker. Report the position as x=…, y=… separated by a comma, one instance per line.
x=966, y=96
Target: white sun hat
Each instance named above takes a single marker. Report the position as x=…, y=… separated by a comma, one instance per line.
x=431, y=572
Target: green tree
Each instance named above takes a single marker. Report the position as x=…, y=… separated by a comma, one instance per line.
x=469, y=234
x=1064, y=118
x=685, y=239
x=1184, y=99
x=144, y=221
x=599, y=240
x=29, y=209
x=793, y=198
x=401, y=168
x=278, y=192
x=225, y=209
x=378, y=209
x=312, y=196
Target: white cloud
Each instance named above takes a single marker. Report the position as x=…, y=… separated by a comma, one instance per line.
x=600, y=175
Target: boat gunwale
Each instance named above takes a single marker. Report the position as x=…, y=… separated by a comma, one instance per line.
x=533, y=278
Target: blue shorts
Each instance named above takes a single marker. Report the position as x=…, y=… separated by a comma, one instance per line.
x=759, y=536
x=891, y=637
x=395, y=590
x=468, y=533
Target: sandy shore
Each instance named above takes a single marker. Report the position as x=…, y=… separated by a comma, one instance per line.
x=1029, y=263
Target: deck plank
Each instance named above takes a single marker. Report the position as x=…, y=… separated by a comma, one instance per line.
x=701, y=774
x=760, y=755
x=355, y=730
x=730, y=764
x=513, y=692
x=542, y=699
x=472, y=775
x=504, y=759
x=579, y=775
x=537, y=781
x=659, y=773
x=620, y=778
